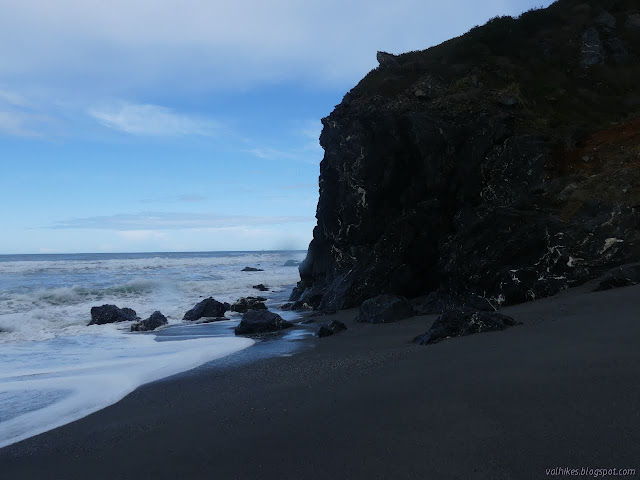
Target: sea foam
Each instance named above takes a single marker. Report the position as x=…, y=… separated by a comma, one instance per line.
x=44, y=385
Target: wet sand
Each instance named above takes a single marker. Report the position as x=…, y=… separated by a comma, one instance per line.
x=561, y=390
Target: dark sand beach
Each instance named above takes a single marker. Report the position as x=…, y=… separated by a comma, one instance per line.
x=561, y=390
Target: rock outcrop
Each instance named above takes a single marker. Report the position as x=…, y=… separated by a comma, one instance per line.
x=154, y=321
x=623, y=276
x=385, y=309
x=464, y=321
x=261, y=321
x=514, y=174
x=111, y=314
x=209, y=307
x=252, y=269
x=243, y=305
x=331, y=328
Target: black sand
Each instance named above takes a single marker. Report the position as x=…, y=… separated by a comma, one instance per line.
x=562, y=390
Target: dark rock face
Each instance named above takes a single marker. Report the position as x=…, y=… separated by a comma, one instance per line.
x=633, y=21
x=261, y=287
x=111, y=314
x=156, y=320
x=252, y=269
x=624, y=276
x=331, y=329
x=261, y=321
x=456, y=192
x=242, y=305
x=291, y=263
x=464, y=321
x=592, y=52
x=606, y=20
x=385, y=309
x=209, y=307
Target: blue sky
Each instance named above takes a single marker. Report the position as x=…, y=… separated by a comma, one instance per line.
x=185, y=125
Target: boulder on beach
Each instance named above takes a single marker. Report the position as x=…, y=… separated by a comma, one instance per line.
x=385, y=309
x=261, y=287
x=243, y=305
x=209, y=307
x=291, y=263
x=261, y=321
x=331, y=328
x=111, y=314
x=252, y=269
x=156, y=320
x=464, y=321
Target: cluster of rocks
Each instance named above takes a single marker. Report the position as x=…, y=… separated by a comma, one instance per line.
x=243, y=305
x=112, y=314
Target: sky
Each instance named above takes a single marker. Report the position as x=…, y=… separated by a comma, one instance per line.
x=185, y=125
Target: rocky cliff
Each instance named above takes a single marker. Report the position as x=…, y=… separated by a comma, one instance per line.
x=502, y=164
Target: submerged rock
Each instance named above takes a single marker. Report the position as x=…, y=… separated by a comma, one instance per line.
x=261, y=287
x=252, y=269
x=209, y=307
x=242, y=305
x=623, y=276
x=464, y=321
x=111, y=314
x=156, y=320
x=385, y=309
x=291, y=263
x=261, y=321
x=331, y=328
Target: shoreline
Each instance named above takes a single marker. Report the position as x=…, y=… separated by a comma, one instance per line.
x=366, y=403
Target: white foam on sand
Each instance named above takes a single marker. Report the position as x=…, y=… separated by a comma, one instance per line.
x=46, y=384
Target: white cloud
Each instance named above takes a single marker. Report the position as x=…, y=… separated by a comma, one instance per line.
x=203, y=44
x=152, y=120
x=169, y=221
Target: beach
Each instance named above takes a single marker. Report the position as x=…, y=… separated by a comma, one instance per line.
x=560, y=390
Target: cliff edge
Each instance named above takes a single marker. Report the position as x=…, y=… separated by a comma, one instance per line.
x=502, y=164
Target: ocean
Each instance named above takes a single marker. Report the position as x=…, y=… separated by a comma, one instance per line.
x=55, y=369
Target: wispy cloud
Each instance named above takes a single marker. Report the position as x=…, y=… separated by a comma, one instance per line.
x=169, y=221
x=12, y=98
x=184, y=198
x=306, y=147
x=152, y=120
x=20, y=124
